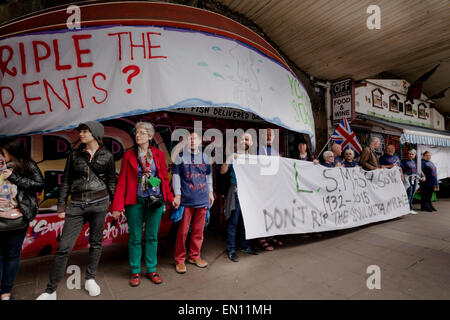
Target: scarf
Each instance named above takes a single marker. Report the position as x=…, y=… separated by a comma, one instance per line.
x=145, y=160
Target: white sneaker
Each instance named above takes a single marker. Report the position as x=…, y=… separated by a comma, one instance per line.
x=92, y=287
x=6, y=298
x=47, y=296
x=413, y=212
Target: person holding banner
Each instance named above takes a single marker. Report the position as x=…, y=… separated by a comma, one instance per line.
x=304, y=153
x=411, y=178
x=368, y=159
x=193, y=187
x=267, y=148
x=337, y=152
x=389, y=159
x=232, y=207
x=349, y=155
x=430, y=185
x=329, y=162
x=20, y=179
x=141, y=194
x=89, y=178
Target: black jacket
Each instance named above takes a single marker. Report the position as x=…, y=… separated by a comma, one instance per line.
x=78, y=177
x=27, y=188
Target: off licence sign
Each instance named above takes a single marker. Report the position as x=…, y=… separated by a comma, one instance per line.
x=341, y=98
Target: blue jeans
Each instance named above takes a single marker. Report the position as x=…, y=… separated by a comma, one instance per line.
x=410, y=192
x=10, y=249
x=233, y=222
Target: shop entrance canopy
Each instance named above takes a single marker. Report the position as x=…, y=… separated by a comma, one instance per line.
x=424, y=138
x=160, y=57
x=414, y=135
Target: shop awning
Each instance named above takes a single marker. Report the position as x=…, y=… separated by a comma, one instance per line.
x=412, y=134
x=427, y=139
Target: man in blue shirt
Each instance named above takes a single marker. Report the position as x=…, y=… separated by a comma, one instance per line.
x=431, y=183
x=389, y=159
x=192, y=183
x=410, y=172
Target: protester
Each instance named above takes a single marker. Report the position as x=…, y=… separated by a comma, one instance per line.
x=267, y=148
x=192, y=183
x=337, y=152
x=328, y=157
x=232, y=207
x=389, y=159
x=349, y=155
x=304, y=153
x=411, y=178
x=89, y=178
x=368, y=159
x=431, y=183
x=142, y=191
x=21, y=180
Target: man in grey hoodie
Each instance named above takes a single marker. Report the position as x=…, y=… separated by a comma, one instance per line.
x=89, y=178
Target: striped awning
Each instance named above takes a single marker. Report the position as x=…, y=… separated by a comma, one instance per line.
x=427, y=139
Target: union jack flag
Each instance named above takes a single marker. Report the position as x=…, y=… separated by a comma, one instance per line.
x=344, y=136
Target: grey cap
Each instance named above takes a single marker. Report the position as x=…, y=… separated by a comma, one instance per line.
x=95, y=128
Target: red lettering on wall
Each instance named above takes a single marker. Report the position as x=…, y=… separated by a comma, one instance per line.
x=7, y=103
x=57, y=64
x=48, y=85
x=150, y=46
x=4, y=63
x=28, y=99
x=37, y=57
x=77, y=79
x=79, y=52
x=22, y=58
x=136, y=45
x=118, y=34
x=98, y=88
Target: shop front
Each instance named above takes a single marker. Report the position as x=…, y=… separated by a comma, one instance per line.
x=167, y=64
x=382, y=110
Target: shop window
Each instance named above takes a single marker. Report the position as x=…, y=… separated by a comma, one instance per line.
x=422, y=111
x=393, y=103
x=408, y=109
x=377, y=98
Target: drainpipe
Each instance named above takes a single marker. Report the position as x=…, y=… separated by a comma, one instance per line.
x=327, y=86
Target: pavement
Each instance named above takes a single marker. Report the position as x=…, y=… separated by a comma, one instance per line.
x=412, y=252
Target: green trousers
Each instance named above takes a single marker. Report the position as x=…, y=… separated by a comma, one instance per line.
x=137, y=215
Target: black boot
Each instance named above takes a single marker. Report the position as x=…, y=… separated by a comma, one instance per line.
x=431, y=207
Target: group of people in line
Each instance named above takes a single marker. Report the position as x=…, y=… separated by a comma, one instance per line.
x=427, y=179
x=142, y=193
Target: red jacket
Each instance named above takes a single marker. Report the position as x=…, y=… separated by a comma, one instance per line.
x=127, y=184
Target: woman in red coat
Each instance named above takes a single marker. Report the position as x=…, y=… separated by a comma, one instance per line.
x=141, y=191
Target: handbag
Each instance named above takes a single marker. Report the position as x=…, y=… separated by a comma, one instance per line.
x=12, y=220
x=153, y=202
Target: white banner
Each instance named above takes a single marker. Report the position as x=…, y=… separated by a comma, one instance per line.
x=303, y=197
x=55, y=80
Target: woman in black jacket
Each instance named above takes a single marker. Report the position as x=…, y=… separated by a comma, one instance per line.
x=23, y=174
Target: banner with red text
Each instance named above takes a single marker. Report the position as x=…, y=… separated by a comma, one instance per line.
x=301, y=197
x=54, y=80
